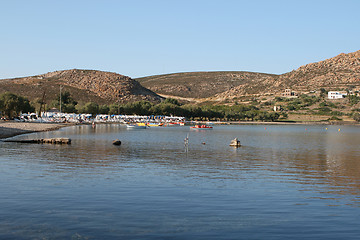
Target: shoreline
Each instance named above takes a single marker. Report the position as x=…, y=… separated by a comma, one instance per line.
x=352, y=123
x=11, y=128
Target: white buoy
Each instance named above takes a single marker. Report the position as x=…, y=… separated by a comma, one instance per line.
x=235, y=143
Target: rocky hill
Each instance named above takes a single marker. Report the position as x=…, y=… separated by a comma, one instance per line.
x=337, y=72
x=340, y=72
x=84, y=85
x=200, y=84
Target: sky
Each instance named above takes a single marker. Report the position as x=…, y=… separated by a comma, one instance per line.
x=150, y=37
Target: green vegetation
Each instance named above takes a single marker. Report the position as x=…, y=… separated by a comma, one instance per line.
x=356, y=117
x=11, y=105
x=353, y=99
x=190, y=111
x=67, y=102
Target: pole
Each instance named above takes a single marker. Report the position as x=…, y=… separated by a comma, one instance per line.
x=60, y=99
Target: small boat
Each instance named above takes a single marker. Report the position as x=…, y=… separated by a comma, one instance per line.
x=155, y=124
x=135, y=126
x=176, y=123
x=201, y=127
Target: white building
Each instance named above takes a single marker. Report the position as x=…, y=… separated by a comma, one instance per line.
x=336, y=94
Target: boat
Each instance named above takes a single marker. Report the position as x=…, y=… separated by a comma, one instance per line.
x=176, y=123
x=201, y=127
x=136, y=126
x=152, y=124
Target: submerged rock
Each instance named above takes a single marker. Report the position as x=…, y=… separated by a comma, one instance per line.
x=117, y=142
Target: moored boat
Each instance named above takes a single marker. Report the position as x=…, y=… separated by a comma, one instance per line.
x=201, y=127
x=155, y=124
x=176, y=123
x=135, y=126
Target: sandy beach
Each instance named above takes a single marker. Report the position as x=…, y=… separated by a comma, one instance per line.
x=12, y=128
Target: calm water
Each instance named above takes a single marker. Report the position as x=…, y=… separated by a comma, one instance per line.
x=285, y=182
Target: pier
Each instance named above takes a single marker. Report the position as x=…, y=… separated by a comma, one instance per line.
x=43, y=140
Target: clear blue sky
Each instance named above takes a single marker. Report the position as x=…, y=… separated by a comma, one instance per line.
x=141, y=38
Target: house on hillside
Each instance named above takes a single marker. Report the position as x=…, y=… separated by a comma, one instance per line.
x=289, y=93
x=336, y=94
x=277, y=108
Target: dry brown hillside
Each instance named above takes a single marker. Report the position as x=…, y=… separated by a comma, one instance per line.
x=200, y=84
x=340, y=72
x=337, y=72
x=84, y=85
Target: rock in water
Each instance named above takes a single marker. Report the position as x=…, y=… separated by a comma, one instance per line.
x=117, y=142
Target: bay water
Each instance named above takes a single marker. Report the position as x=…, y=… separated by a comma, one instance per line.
x=284, y=182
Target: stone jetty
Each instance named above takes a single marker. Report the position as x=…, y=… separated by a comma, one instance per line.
x=43, y=140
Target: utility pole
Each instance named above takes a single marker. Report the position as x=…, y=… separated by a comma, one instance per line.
x=60, y=99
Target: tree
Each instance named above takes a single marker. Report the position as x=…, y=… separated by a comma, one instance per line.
x=356, y=117
x=104, y=109
x=12, y=105
x=92, y=108
x=323, y=92
x=68, y=104
x=172, y=101
x=139, y=108
x=116, y=108
x=353, y=99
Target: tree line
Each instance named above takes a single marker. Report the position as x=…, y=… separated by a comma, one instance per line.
x=11, y=105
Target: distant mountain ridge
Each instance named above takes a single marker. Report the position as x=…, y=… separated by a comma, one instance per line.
x=339, y=72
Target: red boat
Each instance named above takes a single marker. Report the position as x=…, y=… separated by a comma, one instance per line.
x=201, y=127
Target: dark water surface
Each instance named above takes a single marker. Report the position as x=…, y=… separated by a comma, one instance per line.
x=285, y=182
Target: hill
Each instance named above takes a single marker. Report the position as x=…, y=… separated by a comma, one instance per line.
x=200, y=84
x=83, y=85
x=340, y=72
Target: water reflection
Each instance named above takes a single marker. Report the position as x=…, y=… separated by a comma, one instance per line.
x=283, y=177
x=309, y=154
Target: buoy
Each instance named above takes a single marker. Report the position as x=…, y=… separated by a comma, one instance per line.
x=265, y=128
x=339, y=129
x=235, y=143
x=325, y=128
x=203, y=143
x=117, y=142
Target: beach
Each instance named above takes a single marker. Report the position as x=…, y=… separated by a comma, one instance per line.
x=12, y=128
